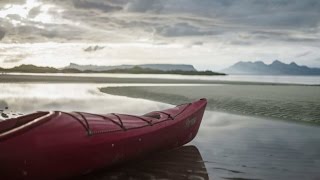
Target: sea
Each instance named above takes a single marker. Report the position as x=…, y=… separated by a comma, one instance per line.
x=302, y=80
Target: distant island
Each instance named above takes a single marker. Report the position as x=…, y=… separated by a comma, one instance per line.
x=275, y=68
x=162, y=67
x=126, y=69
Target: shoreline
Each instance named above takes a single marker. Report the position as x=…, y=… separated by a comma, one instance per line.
x=10, y=78
x=258, y=101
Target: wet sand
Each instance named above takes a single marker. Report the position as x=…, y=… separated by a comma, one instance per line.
x=179, y=164
x=293, y=103
x=243, y=147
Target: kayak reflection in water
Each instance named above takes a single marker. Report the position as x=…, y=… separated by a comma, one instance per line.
x=181, y=163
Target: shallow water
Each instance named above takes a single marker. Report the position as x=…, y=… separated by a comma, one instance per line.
x=306, y=80
x=253, y=148
x=231, y=146
x=27, y=98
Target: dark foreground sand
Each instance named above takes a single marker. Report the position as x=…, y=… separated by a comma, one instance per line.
x=297, y=103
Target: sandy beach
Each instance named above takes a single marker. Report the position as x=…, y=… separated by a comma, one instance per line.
x=293, y=103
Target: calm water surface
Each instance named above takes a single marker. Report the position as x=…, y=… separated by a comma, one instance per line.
x=231, y=146
x=308, y=80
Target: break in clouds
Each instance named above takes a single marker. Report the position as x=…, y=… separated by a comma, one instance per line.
x=226, y=30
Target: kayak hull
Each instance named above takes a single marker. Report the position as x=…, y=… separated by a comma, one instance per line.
x=60, y=145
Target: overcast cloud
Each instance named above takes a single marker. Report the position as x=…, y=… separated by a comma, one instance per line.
x=220, y=32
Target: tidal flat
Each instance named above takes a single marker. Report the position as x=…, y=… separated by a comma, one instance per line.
x=285, y=102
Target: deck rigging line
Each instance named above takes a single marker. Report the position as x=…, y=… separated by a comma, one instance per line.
x=79, y=120
x=90, y=132
x=107, y=118
x=85, y=119
x=145, y=120
x=185, y=108
x=173, y=117
x=118, y=117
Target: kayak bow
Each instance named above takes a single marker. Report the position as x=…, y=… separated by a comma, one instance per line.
x=54, y=145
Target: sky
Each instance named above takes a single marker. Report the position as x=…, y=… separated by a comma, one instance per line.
x=209, y=34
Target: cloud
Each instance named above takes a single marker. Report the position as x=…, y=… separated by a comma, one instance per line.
x=245, y=29
x=143, y=6
x=303, y=54
x=161, y=19
x=93, y=48
x=198, y=43
x=15, y=58
x=2, y=33
x=34, y=12
x=100, y=5
x=4, y=2
x=183, y=29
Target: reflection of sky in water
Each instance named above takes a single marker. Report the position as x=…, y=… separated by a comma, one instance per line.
x=231, y=145
x=249, y=147
x=28, y=98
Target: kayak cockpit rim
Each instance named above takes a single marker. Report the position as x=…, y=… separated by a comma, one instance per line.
x=27, y=125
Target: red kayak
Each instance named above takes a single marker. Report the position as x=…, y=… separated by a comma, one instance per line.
x=55, y=145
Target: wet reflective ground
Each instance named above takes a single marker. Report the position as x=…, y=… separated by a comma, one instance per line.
x=182, y=163
x=253, y=148
x=230, y=146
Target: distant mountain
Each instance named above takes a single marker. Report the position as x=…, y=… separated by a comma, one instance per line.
x=162, y=67
x=275, y=68
x=169, y=67
x=27, y=68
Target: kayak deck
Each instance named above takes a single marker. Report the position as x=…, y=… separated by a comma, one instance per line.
x=99, y=124
x=93, y=124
